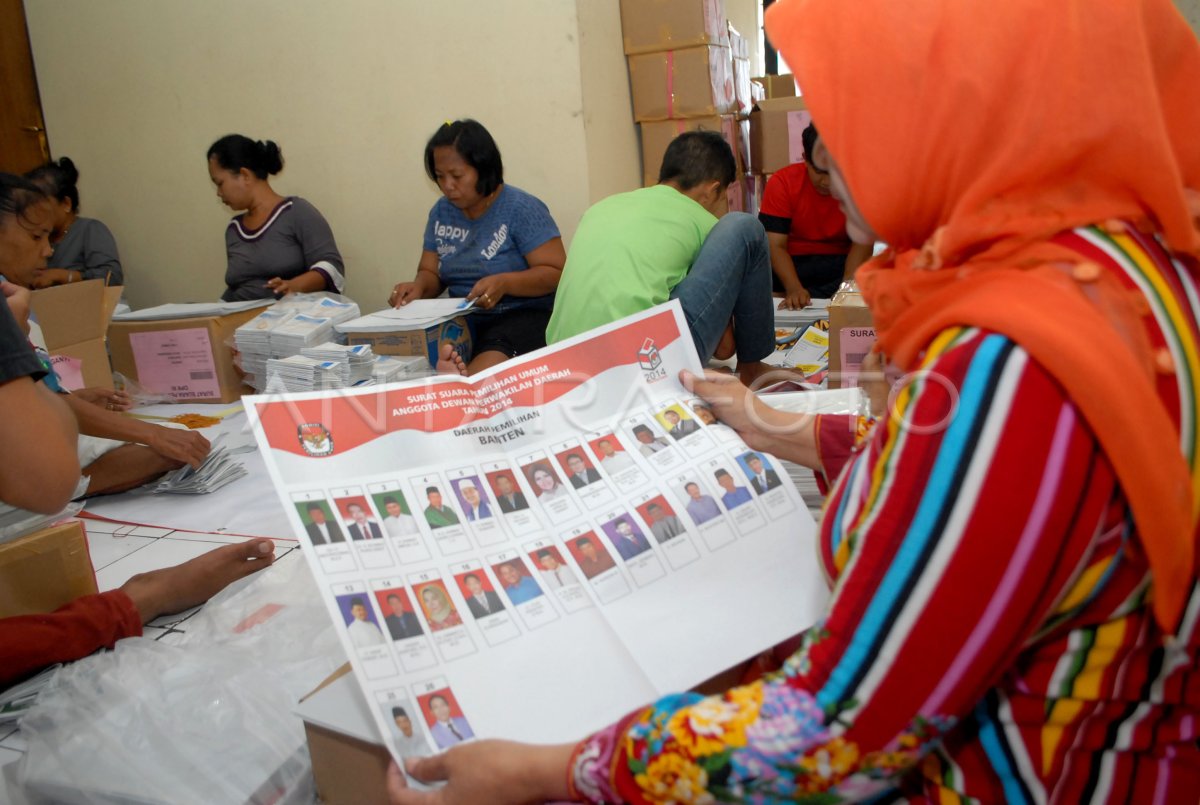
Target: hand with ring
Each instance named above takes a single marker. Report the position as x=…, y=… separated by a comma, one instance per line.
x=109, y=399
x=488, y=292
x=404, y=293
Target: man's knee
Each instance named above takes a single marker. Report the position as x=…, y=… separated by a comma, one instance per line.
x=744, y=224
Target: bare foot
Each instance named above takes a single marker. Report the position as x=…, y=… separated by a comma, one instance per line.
x=174, y=589
x=727, y=346
x=449, y=361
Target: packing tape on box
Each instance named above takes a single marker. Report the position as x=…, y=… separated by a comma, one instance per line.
x=670, y=83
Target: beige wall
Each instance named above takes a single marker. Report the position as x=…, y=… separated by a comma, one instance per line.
x=1191, y=10
x=613, y=146
x=136, y=90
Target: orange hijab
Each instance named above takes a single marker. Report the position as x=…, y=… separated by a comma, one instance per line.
x=969, y=135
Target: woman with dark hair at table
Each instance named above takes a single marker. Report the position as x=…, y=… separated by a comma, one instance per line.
x=488, y=242
x=278, y=245
x=84, y=248
x=41, y=472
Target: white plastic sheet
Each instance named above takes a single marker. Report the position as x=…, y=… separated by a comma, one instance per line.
x=205, y=720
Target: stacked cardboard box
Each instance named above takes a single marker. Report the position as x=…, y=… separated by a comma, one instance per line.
x=775, y=86
x=684, y=73
x=776, y=128
x=777, y=120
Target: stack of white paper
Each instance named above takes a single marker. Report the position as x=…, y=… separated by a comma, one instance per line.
x=334, y=310
x=360, y=359
x=817, y=310
x=190, y=310
x=300, y=373
x=218, y=470
x=392, y=368
x=253, y=341
x=414, y=316
x=298, y=332
x=297, y=322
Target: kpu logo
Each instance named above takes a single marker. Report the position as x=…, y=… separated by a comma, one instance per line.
x=315, y=439
x=651, y=362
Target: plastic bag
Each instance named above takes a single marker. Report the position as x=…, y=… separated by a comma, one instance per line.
x=140, y=395
x=206, y=720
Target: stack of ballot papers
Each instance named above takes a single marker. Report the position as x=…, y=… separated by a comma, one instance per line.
x=190, y=310
x=253, y=342
x=817, y=310
x=300, y=331
x=416, y=315
x=292, y=325
x=218, y=470
x=359, y=359
x=394, y=368
x=301, y=373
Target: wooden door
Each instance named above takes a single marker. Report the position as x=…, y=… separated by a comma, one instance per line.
x=23, y=142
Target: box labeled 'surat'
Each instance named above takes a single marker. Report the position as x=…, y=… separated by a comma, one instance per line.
x=74, y=319
x=693, y=82
x=851, y=336
x=650, y=25
x=186, y=359
x=45, y=570
x=414, y=342
x=776, y=133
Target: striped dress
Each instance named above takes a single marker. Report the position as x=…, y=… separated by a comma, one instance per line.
x=989, y=636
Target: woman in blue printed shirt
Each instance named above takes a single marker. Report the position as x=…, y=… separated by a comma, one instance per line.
x=488, y=242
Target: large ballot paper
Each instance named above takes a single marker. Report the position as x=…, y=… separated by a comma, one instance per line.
x=532, y=552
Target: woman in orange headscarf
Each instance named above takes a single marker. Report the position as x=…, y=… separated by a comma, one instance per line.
x=1015, y=604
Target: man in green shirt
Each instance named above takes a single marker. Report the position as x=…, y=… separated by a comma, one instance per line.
x=639, y=249
x=436, y=514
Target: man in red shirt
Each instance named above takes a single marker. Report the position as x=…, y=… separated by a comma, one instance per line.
x=806, y=229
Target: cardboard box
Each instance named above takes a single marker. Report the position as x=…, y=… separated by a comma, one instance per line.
x=658, y=134
x=776, y=128
x=651, y=25
x=42, y=571
x=741, y=195
x=349, y=763
x=416, y=342
x=739, y=49
x=74, y=319
x=851, y=336
x=776, y=86
x=743, y=89
x=693, y=82
x=184, y=358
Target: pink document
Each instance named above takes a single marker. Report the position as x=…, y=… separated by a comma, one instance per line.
x=797, y=122
x=176, y=362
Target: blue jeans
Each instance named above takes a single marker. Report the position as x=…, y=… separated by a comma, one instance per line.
x=731, y=279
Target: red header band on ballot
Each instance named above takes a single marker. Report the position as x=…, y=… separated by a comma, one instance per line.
x=355, y=419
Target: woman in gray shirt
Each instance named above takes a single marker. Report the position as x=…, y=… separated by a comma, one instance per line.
x=278, y=245
x=84, y=248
